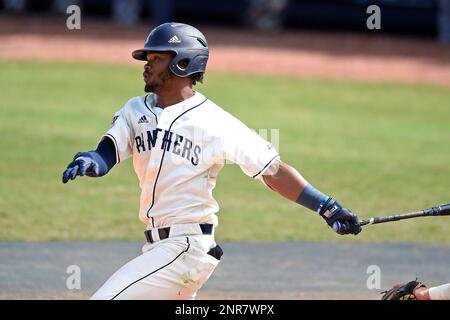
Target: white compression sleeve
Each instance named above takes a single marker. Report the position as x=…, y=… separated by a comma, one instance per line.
x=440, y=293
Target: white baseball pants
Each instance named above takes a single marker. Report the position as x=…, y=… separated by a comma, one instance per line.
x=173, y=268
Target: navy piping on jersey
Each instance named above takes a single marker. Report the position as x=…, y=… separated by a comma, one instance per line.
x=186, y=250
x=115, y=145
x=264, y=167
x=145, y=102
x=162, y=159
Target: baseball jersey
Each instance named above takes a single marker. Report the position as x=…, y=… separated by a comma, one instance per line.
x=178, y=152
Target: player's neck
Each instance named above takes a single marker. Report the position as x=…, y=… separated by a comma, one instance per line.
x=166, y=99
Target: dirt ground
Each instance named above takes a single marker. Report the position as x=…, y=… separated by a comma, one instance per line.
x=368, y=56
x=294, y=270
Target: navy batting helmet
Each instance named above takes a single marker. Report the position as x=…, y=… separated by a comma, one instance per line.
x=188, y=44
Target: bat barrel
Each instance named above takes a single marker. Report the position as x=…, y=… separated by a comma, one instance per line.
x=444, y=209
x=441, y=210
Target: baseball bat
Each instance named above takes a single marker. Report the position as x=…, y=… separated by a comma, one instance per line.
x=442, y=210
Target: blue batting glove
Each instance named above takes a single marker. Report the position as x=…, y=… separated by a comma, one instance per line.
x=342, y=220
x=83, y=164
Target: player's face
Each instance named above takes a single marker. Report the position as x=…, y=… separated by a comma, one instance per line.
x=156, y=71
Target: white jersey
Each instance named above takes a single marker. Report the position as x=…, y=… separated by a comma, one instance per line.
x=178, y=152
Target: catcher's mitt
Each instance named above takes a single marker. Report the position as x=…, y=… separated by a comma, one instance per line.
x=402, y=291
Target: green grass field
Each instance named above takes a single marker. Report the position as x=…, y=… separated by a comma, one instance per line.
x=377, y=148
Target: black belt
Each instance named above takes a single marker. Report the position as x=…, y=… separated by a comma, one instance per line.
x=164, y=232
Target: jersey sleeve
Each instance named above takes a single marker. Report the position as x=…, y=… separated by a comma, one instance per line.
x=120, y=133
x=246, y=148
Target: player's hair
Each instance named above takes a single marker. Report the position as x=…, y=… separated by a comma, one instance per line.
x=197, y=77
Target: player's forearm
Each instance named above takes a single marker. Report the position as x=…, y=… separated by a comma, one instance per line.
x=107, y=150
x=289, y=183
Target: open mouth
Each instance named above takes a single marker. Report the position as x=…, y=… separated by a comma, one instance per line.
x=145, y=75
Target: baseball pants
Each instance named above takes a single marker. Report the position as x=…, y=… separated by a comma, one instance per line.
x=169, y=269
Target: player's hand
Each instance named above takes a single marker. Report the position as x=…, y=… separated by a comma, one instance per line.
x=82, y=165
x=342, y=220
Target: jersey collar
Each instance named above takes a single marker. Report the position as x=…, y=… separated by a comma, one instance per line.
x=179, y=107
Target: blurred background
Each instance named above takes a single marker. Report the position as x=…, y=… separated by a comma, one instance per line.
x=415, y=17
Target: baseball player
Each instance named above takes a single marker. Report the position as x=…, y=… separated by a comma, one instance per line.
x=179, y=141
x=441, y=292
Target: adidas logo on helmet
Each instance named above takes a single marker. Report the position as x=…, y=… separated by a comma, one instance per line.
x=174, y=39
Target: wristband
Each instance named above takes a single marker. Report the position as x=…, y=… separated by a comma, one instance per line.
x=312, y=198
